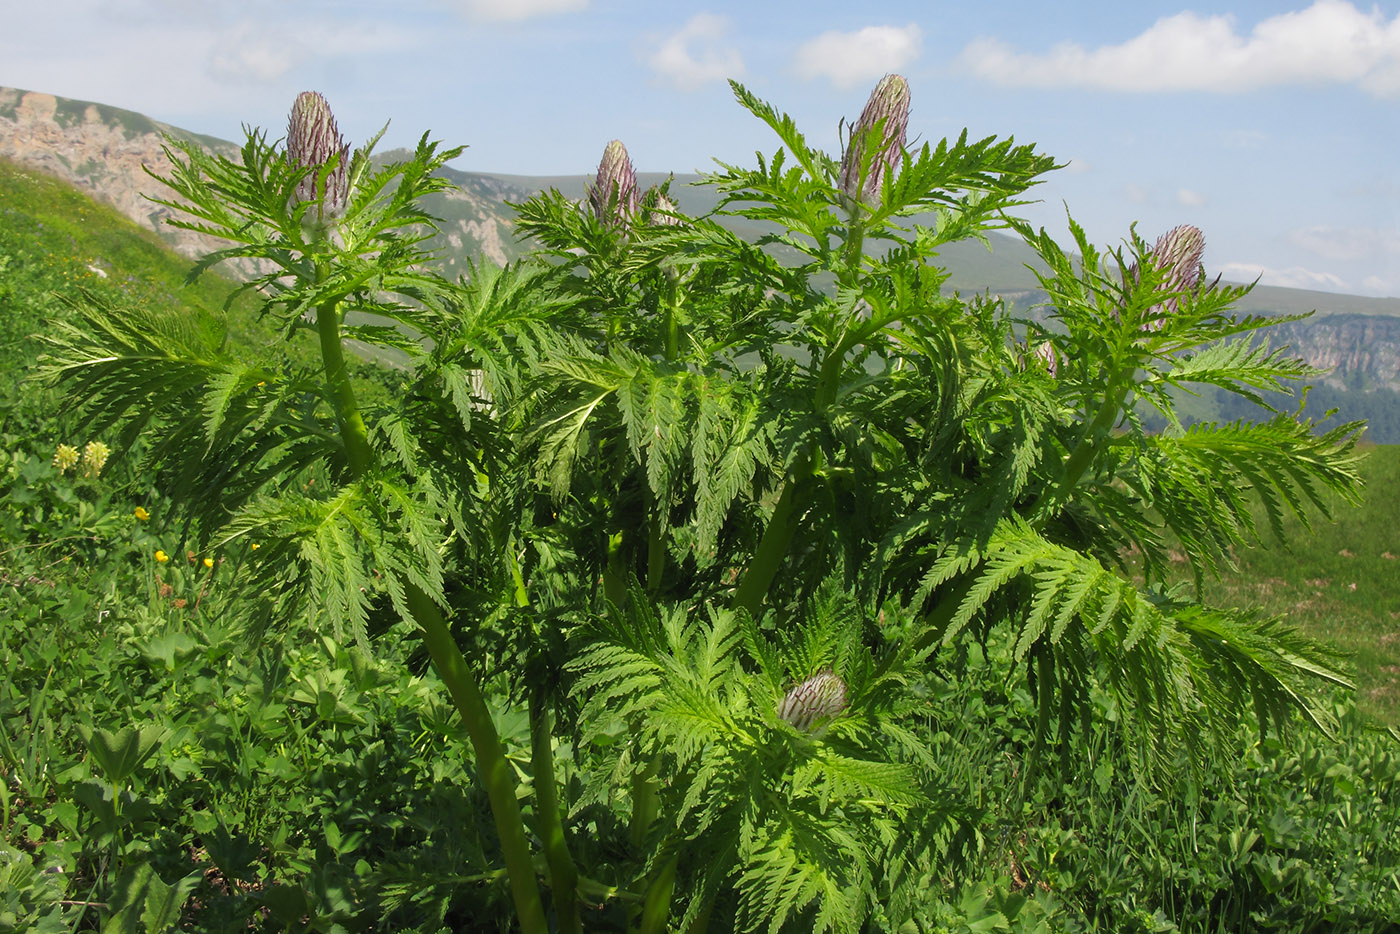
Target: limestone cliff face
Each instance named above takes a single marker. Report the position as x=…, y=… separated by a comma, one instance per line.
x=1358, y=351
x=104, y=151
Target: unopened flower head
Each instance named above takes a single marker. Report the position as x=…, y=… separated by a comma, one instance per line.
x=1177, y=254
x=819, y=698
x=613, y=195
x=313, y=140
x=65, y=458
x=95, y=455
x=888, y=108
x=663, y=213
x=1049, y=357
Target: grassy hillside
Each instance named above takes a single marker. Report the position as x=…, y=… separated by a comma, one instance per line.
x=1339, y=581
x=55, y=240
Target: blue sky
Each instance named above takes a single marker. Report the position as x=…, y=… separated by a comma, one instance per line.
x=1273, y=126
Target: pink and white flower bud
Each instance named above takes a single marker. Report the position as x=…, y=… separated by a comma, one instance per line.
x=313, y=141
x=663, y=213
x=887, y=108
x=1177, y=253
x=819, y=698
x=614, y=195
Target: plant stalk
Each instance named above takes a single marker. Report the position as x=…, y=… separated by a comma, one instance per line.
x=447, y=658
x=1081, y=457
x=773, y=547
x=353, y=433
x=656, y=909
x=496, y=773
x=563, y=874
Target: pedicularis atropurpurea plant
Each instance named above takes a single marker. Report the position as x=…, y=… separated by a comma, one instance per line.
x=718, y=513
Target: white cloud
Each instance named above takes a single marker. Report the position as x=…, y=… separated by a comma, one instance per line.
x=1377, y=285
x=251, y=54
x=1292, y=277
x=516, y=10
x=1330, y=42
x=1136, y=194
x=849, y=58
x=1190, y=199
x=1348, y=243
x=696, y=53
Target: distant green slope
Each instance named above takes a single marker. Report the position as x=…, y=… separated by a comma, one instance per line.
x=56, y=243
x=1338, y=581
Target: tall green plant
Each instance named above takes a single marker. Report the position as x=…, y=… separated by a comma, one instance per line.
x=333, y=492
x=726, y=510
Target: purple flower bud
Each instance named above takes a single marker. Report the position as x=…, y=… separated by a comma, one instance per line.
x=888, y=108
x=820, y=697
x=613, y=195
x=1048, y=356
x=1177, y=254
x=313, y=140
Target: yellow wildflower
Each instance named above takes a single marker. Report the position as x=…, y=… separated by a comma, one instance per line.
x=161, y=557
x=94, y=458
x=208, y=562
x=65, y=458
x=255, y=546
x=141, y=513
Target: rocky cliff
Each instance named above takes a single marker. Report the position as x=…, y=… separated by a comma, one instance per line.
x=104, y=151
x=1360, y=352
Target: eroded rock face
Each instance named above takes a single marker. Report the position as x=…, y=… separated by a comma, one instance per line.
x=101, y=150
x=1358, y=351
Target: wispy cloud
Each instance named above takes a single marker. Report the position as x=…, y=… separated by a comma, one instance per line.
x=1190, y=198
x=1291, y=277
x=1330, y=42
x=696, y=54
x=1348, y=243
x=516, y=10
x=849, y=58
x=251, y=54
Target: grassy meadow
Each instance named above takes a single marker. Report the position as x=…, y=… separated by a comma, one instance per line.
x=1338, y=580
x=158, y=773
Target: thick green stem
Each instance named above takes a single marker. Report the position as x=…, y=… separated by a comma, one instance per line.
x=496, y=772
x=672, y=319
x=656, y=542
x=645, y=803
x=563, y=874
x=701, y=924
x=615, y=571
x=353, y=433
x=447, y=658
x=1081, y=457
x=656, y=909
x=777, y=539
x=782, y=525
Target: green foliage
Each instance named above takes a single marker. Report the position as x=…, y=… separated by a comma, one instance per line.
x=633, y=496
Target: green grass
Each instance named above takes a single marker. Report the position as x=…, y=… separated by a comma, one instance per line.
x=1338, y=581
x=56, y=241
